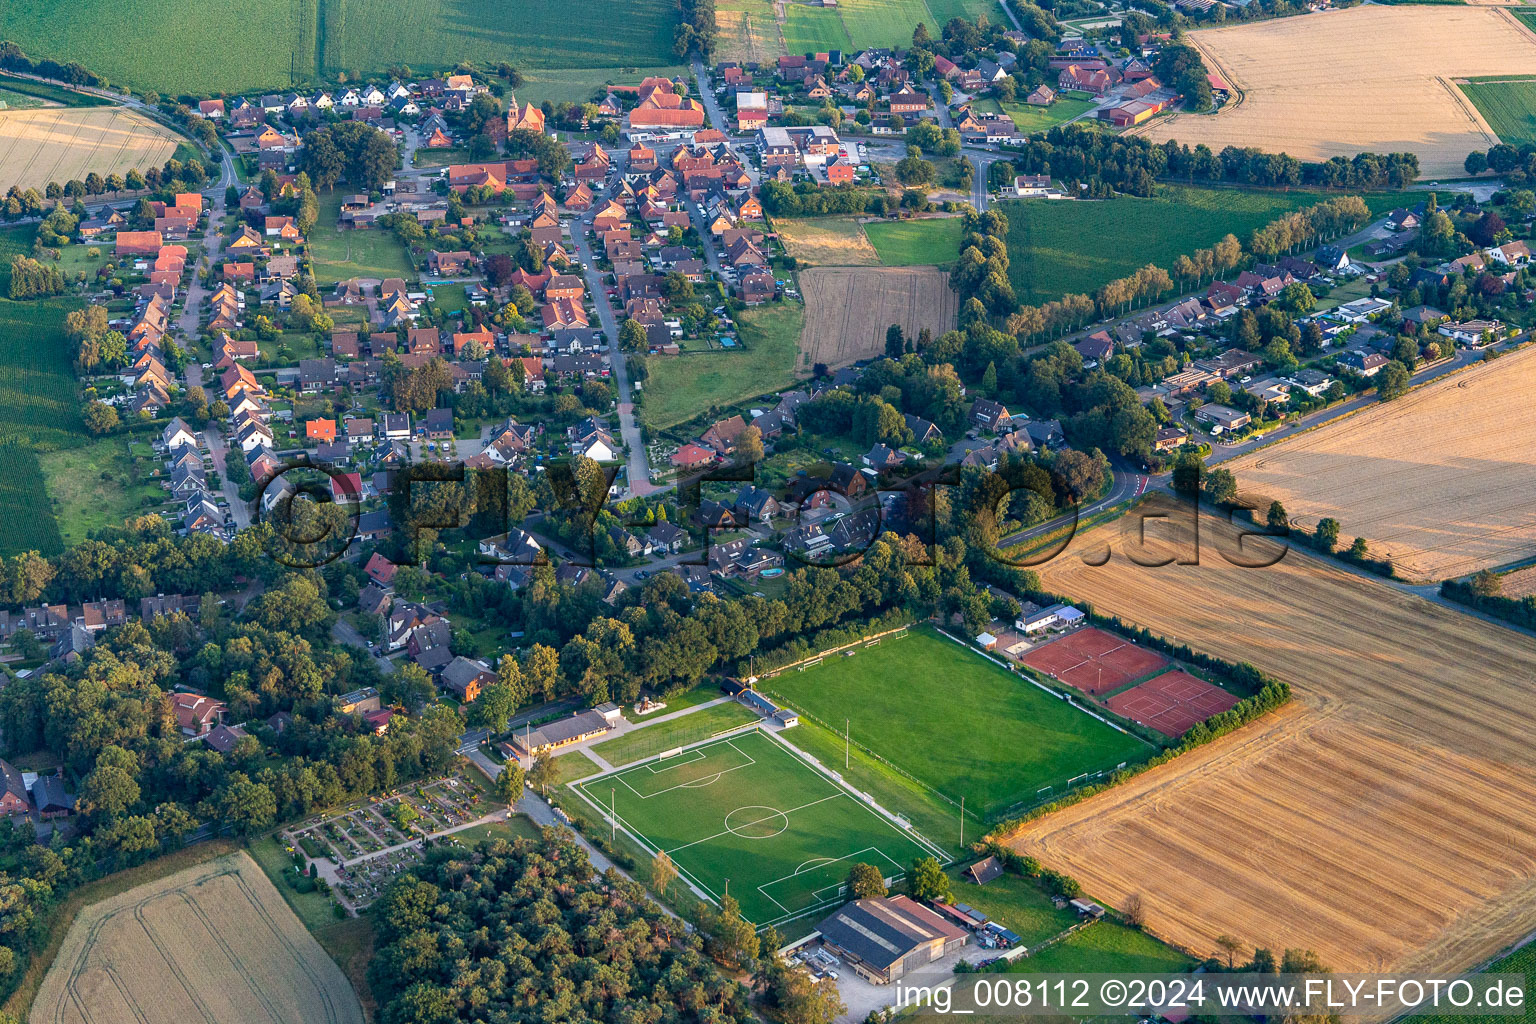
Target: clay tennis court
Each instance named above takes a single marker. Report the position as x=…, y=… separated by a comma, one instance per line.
x=1172, y=703
x=1093, y=661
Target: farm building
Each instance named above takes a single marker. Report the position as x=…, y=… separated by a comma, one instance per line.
x=884, y=939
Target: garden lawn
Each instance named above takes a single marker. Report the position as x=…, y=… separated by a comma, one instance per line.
x=682, y=387
x=1038, y=119
x=955, y=720
x=95, y=486
x=339, y=255
x=1062, y=247
x=579, y=85
x=1509, y=105
x=518, y=826
x=909, y=243
x=1017, y=904
x=691, y=728
x=1104, y=947
x=575, y=764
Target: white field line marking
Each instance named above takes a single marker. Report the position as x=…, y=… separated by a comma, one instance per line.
x=732, y=832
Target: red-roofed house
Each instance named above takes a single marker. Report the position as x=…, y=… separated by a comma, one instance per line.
x=347, y=488
x=380, y=569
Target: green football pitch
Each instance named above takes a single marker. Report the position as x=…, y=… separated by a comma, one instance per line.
x=948, y=716
x=748, y=812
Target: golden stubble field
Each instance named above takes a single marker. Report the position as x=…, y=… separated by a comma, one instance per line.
x=1386, y=819
x=215, y=942
x=1371, y=78
x=848, y=309
x=60, y=143
x=1440, y=480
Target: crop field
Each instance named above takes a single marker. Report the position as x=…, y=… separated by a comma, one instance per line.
x=1452, y=502
x=847, y=309
x=827, y=241
x=1508, y=105
x=231, y=46
x=24, y=503
x=884, y=22
x=682, y=387
x=748, y=31
x=362, y=35
x=60, y=143
x=813, y=30
x=955, y=720
x=752, y=30
x=37, y=380
x=749, y=810
x=1403, y=773
x=1520, y=583
x=1399, y=98
x=213, y=942
x=922, y=242
x=1056, y=248
x=943, y=10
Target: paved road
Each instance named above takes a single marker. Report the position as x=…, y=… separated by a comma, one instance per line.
x=1127, y=484
x=717, y=118
x=345, y=633
x=639, y=469
x=1462, y=359
x=218, y=452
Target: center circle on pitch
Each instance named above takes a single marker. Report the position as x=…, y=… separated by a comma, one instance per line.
x=756, y=822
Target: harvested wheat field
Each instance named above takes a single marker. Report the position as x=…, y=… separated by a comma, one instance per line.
x=1386, y=819
x=60, y=143
x=827, y=241
x=1439, y=480
x=215, y=942
x=1309, y=88
x=848, y=309
x=1520, y=583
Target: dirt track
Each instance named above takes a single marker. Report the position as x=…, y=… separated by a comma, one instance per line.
x=1439, y=481
x=1311, y=89
x=1386, y=820
x=848, y=309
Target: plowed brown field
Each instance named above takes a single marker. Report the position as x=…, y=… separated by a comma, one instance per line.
x=848, y=309
x=1314, y=87
x=1387, y=819
x=215, y=942
x=1440, y=481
